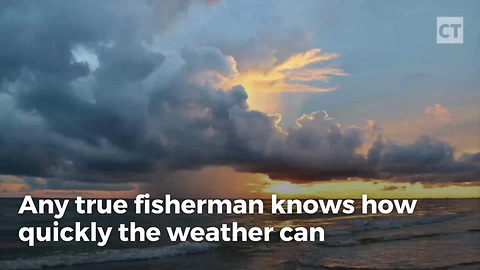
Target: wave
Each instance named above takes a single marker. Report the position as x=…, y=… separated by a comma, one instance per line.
x=294, y=264
x=103, y=256
x=383, y=239
x=356, y=225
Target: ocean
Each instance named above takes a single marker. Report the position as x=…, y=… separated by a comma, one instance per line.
x=441, y=234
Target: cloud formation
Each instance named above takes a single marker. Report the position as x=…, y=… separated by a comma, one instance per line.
x=122, y=111
x=439, y=114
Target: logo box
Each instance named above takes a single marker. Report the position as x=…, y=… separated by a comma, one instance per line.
x=450, y=30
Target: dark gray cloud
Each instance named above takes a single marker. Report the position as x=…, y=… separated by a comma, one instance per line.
x=390, y=188
x=425, y=160
x=142, y=112
x=56, y=184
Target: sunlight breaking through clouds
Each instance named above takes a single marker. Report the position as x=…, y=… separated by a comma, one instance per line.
x=299, y=73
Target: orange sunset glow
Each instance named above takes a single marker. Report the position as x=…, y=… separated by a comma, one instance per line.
x=292, y=75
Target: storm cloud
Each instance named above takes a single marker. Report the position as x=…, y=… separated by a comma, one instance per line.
x=85, y=97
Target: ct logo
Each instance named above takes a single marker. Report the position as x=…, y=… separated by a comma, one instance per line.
x=449, y=30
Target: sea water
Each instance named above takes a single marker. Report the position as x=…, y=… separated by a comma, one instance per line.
x=440, y=234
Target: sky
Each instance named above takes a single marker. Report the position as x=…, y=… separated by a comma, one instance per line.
x=238, y=99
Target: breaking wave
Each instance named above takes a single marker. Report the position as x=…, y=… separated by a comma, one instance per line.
x=356, y=225
x=383, y=239
x=106, y=256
